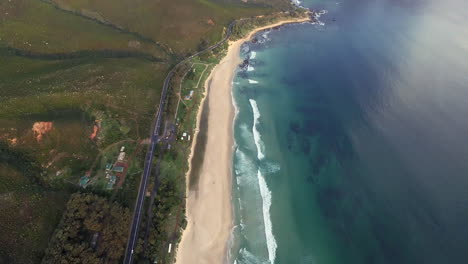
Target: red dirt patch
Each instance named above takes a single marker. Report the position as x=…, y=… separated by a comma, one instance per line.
x=96, y=129
x=41, y=128
x=134, y=44
x=210, y=22
x=13, y=141
x=121, y=175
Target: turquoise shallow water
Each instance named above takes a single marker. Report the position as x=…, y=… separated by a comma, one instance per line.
x=351, y=137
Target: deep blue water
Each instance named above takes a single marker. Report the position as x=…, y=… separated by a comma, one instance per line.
x=362, y=130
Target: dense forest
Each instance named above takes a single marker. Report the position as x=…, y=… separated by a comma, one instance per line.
x=163, y=232
x=92, y=230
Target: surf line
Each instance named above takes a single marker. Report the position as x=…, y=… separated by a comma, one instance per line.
x=264, y=191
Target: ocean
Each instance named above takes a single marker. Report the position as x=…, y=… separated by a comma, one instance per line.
x=352, y=137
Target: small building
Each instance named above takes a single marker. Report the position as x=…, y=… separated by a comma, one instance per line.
x=121, y=156
x=108, y=166
x=119, y=169
x=189, y=96
x=94, y=240
x=111, y=182
x=84, y=181
x=122, y=149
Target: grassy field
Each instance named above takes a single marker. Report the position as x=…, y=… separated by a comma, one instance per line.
x=179, y=24
x=70, y=94
x=29, y=216
x=36, y=87
x=35, y=26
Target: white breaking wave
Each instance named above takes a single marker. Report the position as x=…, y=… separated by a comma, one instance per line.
x=317, y=17
x=246, y=257
x=266, y=198
x=252, y=55
x=264, y=191
x=263, y=38
x=231, y=243
x=250, y=68
x=296, y=2
x=252, y=81
x=245, y=170
x=256, y=134
x=246, y=135
x=241, y=208
x=241, y=224
x=271, y=167
x=245, y=48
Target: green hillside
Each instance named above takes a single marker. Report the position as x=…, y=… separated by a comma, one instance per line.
x=39, y=27
x=179, y=24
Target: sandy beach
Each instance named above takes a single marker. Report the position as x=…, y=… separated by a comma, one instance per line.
x=209, y=208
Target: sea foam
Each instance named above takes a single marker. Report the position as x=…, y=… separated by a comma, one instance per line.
x=252, y=55
x=247, y=257
x=245, y=169
x=264, y=191
x=271, y=167
x=252, y=81
x=256, y=134
x=296, y=2
x=250, y=68
x=317, y=16
x=246, y=135
x=266, y=198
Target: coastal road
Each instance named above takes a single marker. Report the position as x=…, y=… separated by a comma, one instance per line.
x=133, y=235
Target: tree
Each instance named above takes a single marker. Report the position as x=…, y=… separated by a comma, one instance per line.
x=85, y=216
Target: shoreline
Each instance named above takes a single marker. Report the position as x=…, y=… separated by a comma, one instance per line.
x=206, y=236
